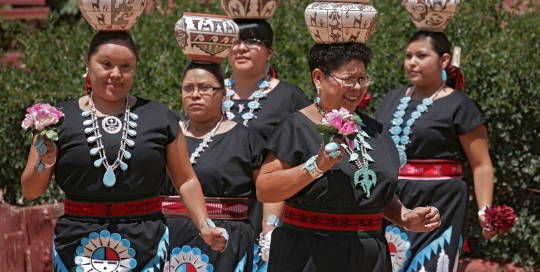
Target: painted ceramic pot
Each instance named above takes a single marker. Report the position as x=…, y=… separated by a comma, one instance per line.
x=431, y=15
x=205, y=37
x=112, y=15
x=340, y=22
x=250, y=9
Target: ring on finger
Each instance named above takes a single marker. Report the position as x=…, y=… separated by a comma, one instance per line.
x=334, y=154
x=331, y=147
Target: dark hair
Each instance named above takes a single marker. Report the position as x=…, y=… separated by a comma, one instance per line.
x=256, y=29
x=330, y=57
x=438, y=41
x=102, y=38
x=212, y=68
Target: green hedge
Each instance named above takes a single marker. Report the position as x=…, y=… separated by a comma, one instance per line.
x=500, y=61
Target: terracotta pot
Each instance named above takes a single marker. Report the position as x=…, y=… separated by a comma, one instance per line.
x=250, y=9
x=205, y=37
x=431, y=15
x=112, y=15
x=340, y=22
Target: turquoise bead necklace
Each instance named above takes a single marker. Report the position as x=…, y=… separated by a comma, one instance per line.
x=401, y=137
x=252, y=105
x=128, y=127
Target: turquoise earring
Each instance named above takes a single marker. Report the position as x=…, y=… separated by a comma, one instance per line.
x=444, y=77
x=318, y=98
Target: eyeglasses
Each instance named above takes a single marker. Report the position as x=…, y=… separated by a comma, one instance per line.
x=207, y=89
x=250, y=43
x=351, y=82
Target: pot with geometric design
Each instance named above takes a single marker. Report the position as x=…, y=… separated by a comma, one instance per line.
x=206, y=37
x=431, y=15
x=112, y=15
x=250, y=9
x=340, y=22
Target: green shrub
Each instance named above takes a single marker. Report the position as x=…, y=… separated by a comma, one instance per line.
x=500, y=61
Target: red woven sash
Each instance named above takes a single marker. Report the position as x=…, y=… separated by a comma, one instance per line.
x=357, y=223
x=120, y=209
x=431, y=168
x=218, y=207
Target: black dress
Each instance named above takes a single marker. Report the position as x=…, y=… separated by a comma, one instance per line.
x=136, y=243
x=434, y=136
x=225, y=169
x=294, y=142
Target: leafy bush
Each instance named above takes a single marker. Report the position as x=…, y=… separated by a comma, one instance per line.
x=500, y=61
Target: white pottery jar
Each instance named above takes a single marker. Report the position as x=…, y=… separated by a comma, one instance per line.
x=250, y=9
x=112, y=15
x=340, y=22
x=431, y=15
x=206, y=37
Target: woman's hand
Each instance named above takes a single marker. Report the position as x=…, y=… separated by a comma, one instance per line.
x=487, y=232
x=215, y=237
x=422, y=219
x=325, y=161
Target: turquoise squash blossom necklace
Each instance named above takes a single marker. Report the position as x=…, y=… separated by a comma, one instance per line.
x=401, y=137
x=363, y=176
x=252, y=105
x=111, y=125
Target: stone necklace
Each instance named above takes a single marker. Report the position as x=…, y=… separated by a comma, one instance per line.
x=111, y=127
x=204, y=144
x=252, y=105
x=400, y=136
x=363, y=176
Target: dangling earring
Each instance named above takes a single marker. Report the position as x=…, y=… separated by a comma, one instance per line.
x=444, y=77
x=226, y=68
x=318, y=98
x=268, y=66
x=85, y=74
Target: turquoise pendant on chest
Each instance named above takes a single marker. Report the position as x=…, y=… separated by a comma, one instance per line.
x=363, y=176
x=128, y=128
x=252, y=105
x=401, y=136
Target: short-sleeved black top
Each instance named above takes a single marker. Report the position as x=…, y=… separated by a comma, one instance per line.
x=294, y=142
x=76, y=174
x=283, y=100
x=225, y=167
x=436, y=134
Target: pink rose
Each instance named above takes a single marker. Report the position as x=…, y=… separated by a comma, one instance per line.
x=338, y=122
x=41, y=116
x=349, y=127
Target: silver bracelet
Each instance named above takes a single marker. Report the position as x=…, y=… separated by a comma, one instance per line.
x=312, y=168
x=405, y=215
x=482, y=212
x=208, y=223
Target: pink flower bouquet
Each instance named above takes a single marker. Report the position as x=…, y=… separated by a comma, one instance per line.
x=40, y=119
x=341, y=124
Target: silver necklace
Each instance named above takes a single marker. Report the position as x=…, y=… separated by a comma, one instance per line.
x=207, y=139
x=109, y=179
x=252, y=105
x=363, y=176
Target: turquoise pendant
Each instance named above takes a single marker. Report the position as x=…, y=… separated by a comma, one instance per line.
x=132, y=132
x=127, y=155
x=354, y=157
x=98, y=162
x=123, y=165
x=369, y=179
x=129, y=142
x=109, y=179
x=88, y=122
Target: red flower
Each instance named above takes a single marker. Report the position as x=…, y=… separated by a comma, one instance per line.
x=500, y=218
x=365, y=101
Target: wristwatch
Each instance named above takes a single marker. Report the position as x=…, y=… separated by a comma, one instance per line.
x=272, y=220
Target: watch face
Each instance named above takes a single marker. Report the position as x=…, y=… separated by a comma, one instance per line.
x=271, y=220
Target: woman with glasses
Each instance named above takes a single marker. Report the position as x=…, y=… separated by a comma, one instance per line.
x=257, y=100
x=226, y=157
x=336, y=196
x=436, y=128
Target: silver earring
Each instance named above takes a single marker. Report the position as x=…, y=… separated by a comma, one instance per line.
x=85, y=74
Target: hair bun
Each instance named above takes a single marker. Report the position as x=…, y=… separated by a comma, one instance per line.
x=431, y=15
x=340, y=22
x=110, y=16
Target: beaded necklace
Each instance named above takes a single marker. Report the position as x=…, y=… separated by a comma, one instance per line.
x=204, y=143
x=252, y=105
x=363, y=176
x=109, y=179
x=400, y=136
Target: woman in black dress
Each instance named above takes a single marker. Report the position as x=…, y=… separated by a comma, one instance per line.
x=257, y=100
x=435, y=128
x=110, y=160
x=329, y=223
x=226, y=157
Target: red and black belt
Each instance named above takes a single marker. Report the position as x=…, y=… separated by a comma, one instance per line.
x=365, y=222
x=117, y=209
x=218, y=207
x=430, y=169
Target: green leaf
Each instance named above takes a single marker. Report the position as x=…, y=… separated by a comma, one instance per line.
x=327, y=138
